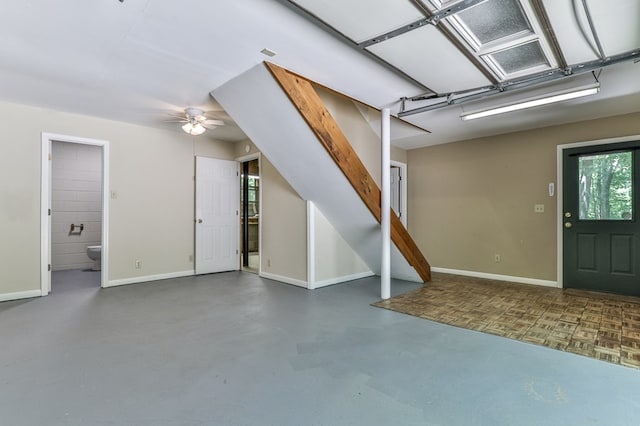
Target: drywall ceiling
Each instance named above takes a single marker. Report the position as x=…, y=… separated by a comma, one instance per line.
x=141, y=60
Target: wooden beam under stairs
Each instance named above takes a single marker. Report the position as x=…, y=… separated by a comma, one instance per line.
x=304, y=97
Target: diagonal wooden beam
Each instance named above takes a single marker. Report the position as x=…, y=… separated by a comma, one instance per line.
x=304, y=97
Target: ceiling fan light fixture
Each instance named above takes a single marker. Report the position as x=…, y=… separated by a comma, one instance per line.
x=550, y=98
x=193, y=129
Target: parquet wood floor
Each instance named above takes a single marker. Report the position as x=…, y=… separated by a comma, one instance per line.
x=598, y=325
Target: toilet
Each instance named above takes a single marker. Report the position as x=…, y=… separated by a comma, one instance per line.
x=95, y=254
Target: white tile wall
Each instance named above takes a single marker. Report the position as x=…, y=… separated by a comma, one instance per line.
x=76, y=197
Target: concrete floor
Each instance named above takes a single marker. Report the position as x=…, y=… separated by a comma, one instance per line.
x=234, y=349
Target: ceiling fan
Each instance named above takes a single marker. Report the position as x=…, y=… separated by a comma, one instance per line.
x=196, y=122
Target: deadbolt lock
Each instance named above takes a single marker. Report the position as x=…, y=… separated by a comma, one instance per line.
x=568, y=225
x=567, y=214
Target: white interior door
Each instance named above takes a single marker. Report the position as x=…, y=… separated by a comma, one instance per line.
x=217, y=220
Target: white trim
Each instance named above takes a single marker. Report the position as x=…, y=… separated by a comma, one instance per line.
x=311, y=245
x=106, y=196
x=559, y=232
x=403, y=190
x=385, y=204
x=285, y=280
x=560, y=189
x=343, y=279
x=20, y=295
x=248, y=157
x=260, y=217
x=522, y=280
x=45, y=203
x=147, y=278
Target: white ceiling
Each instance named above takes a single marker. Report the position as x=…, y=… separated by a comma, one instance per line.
x=140, y=60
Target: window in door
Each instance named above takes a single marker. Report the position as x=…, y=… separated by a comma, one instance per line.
x=606, y=186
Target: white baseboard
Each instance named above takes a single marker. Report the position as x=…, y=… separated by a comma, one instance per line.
x=341, y=279
x=285, y=280
x=147, y=278
x=20, y=295
x=521, y=280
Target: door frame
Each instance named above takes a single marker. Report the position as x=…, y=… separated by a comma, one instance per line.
x=240, y=160
x=403, y=190
x=45, y=204
x=560, y=189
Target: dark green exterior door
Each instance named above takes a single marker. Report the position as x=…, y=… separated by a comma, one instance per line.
x=601, y=229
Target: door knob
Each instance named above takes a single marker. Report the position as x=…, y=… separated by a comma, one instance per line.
x=568, y=225
x=567, y=214
x=199, y=220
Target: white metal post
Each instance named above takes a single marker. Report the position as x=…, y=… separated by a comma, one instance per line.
x=385, y=203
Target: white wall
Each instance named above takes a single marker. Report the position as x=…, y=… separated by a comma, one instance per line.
x=76, y=198
x=334, y=260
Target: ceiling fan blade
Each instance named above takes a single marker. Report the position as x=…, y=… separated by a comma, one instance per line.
x=210, y=122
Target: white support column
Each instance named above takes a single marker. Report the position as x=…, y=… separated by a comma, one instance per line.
x=385, y=203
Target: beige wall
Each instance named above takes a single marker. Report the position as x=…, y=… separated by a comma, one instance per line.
x=240, y=148
x=473, y=199
x=283, y=221
x=359, y=133
x=284, y=231
x=284, y=226
x=151, y=170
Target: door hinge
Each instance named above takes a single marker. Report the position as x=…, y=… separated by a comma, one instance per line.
x=49, y=267
x=237, y=173
x=236, y=251
x=49, y=212
x=237, y=213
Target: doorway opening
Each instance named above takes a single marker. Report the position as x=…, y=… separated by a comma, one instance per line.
x=250, y=215
x=399, y=190
x=74, y=219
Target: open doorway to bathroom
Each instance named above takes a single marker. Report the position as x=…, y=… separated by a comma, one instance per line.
x=250, y=215
x=74, y=213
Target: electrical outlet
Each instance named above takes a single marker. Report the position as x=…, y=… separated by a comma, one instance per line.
x=538, y=208
x=497, y=258
x=138, y=264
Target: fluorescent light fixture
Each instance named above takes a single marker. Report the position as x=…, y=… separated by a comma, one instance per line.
x=550, y=98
